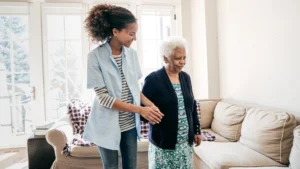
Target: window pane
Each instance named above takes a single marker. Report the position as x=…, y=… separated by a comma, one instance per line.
x=150, y=54
x=24, y=92
x=74, y=53
x=150, y=27
x=74, y=85
x=56, y=56
x=4, y=27
x=21, y=121
x=73, y=27
x=8, y=78
x=57, y=94
x=58, y=85
x=22, y=78
x=5, y=58
x=57, y=109
x=55, y=27
x=21, y=59
x=19, y=25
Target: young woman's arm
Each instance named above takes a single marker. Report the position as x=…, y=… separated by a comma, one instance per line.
x=152, y=114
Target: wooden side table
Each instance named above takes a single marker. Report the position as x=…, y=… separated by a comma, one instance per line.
x=40, y=154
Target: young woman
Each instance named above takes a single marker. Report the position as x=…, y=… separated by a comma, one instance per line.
x=113, y=72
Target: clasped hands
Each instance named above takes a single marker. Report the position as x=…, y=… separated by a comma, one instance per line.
x=152, y=114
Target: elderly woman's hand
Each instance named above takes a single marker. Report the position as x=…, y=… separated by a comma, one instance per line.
x=197, y=139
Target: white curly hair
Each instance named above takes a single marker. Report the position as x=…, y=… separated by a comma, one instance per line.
x=169, y=45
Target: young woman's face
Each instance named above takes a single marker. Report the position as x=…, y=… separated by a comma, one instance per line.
x=127, y=35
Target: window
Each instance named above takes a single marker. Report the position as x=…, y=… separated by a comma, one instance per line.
x=15, y=89
x=156, y=23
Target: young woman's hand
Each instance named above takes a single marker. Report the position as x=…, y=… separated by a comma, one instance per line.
x=152, y=114
x=197, y=140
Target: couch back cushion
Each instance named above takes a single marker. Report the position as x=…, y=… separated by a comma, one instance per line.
x=227, y=120
x=206, y=109
x=295, y=152
x=269, y=132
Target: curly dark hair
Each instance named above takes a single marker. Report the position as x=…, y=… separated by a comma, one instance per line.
x=103, y=18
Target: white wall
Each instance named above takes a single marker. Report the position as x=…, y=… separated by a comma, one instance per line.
x=199, y=27
x=259, y=52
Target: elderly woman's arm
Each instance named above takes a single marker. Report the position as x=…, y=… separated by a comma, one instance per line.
x=147, y=95
x=196, y=121
x=145, y=101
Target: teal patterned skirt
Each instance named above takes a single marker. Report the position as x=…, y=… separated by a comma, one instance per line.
x=182, y=156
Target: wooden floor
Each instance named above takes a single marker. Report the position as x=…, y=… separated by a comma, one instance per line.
x=17, y=159
x=14, y=158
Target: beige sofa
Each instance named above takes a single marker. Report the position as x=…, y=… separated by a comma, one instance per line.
x=80, y=157
x=246, y=138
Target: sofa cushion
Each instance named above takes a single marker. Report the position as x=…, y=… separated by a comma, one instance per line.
x=206, y=113
x=269, y=132
x=227, y=120
x=93, y=152
x=295, y=152
x=223, y=155
x=86, y=152
x=218, y=137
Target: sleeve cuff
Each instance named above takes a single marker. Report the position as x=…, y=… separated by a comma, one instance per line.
x=198, y=130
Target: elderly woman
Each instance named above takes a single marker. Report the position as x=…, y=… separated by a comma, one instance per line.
x=170, y=89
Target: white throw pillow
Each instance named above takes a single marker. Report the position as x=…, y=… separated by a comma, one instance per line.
x=295, y=152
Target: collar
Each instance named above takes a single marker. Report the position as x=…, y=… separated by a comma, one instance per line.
x=123, y=53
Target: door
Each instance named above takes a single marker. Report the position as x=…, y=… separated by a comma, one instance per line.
x=15, y=86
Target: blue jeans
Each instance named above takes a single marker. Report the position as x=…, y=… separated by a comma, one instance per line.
x=128, y=147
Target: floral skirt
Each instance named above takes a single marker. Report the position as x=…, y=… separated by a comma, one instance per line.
x=180, y=158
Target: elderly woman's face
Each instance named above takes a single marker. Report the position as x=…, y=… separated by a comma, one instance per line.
x=176, y=60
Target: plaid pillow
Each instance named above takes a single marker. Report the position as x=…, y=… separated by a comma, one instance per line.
x=78, y=113
x=206, y=136
x=144, y=129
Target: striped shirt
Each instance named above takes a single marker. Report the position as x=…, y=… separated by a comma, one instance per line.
x=126, y=119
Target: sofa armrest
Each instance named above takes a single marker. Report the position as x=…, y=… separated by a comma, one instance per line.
x=207, y=107
x=60, y=134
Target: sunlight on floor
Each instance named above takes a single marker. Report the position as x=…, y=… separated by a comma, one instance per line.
x=14, y=158
x=6, y=155
x=20, y=165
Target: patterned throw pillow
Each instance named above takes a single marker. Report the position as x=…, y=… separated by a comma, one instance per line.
x=78, y=113
x=144, y=129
